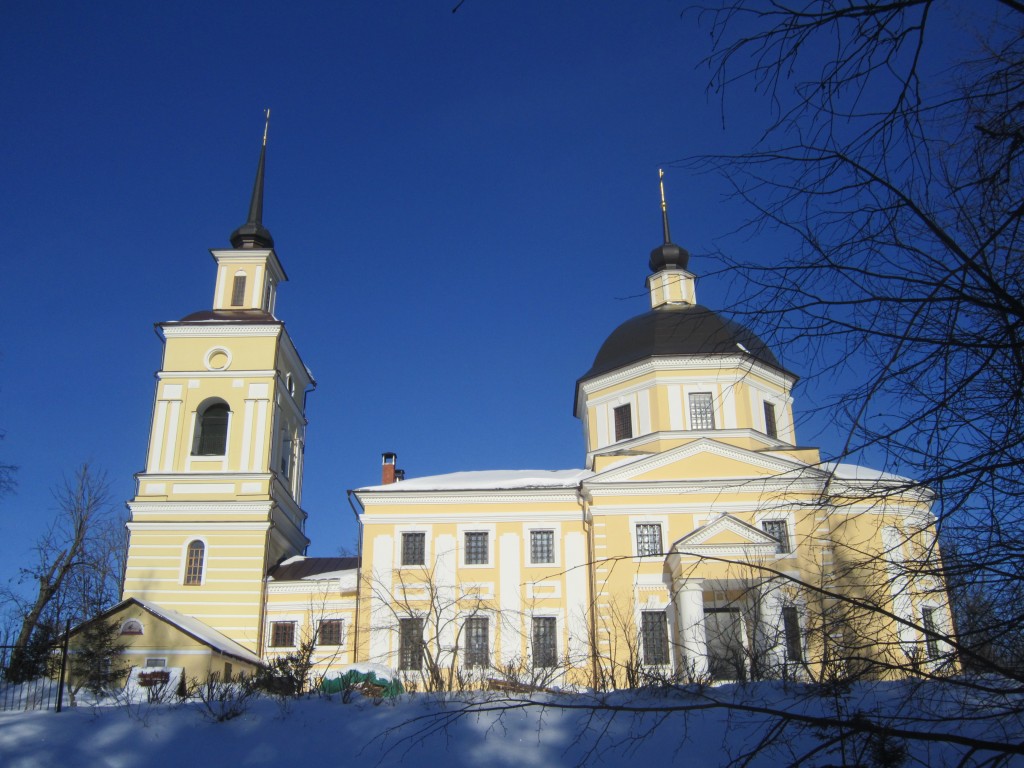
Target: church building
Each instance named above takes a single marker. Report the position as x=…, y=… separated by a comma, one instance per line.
x=700, y=540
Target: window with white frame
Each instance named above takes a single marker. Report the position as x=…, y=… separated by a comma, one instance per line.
x=702, y=411
x=778, y=530
x=771, y=427
x=211, y=436
x=542, y=547
x=410, y=643
x=545, y=641
x=282, y=634
x=238, y=290
x=414, y=545
x=330, y=632
x=476, y=548
x=654, y=637
x=476, y=641
x=194, y=558
x=648, y=539
x=623, y=422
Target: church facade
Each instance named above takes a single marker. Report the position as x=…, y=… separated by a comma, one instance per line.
x=700, y=540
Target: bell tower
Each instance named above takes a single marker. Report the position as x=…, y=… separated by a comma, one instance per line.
x=219, y=500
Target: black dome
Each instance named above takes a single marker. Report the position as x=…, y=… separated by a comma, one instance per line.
x=672, y=331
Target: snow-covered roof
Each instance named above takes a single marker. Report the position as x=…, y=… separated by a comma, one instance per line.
x=302, y=568
x=857, y=472
x=496, y=479
x=197, y=629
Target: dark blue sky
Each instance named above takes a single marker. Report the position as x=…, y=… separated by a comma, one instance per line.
x=464, y=204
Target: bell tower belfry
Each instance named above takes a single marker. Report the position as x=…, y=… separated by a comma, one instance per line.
x=219, y=501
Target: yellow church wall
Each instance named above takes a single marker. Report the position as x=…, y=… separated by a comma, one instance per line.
x=306, y=604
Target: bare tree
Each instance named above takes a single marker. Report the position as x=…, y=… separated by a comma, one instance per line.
x=896, y=161
x=79, y=559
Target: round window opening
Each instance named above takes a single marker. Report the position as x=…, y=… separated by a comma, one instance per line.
x=218, y=359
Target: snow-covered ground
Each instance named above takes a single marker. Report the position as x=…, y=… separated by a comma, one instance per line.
x=637, y=728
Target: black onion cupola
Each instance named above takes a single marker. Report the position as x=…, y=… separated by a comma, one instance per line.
x=676, y=324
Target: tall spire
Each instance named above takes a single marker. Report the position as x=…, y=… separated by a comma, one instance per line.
x=668, y=255
x=253, y=234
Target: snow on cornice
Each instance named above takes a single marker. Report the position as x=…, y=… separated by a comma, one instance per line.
x=492, y=480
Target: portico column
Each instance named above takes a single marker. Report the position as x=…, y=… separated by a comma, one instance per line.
x=769, y=636
x=689, y=599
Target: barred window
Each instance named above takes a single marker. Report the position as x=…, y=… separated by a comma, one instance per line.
x=648, y=539
x=542, y=547
x=623, y=423
x=770, y=426
x=282, y=634
x=238, y=291
x=654, y=637
x=194, y=563
x=778, y=530
x=931, y=644
x=414, y=548
x=545, y=642
x=410, y=644
x=211, y=438
x=475, y=632
x=476, y=548
x=791, y=630
x=702, y=411
x=329, y=632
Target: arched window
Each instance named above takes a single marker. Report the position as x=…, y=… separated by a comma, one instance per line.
x=238, y=290
x=131, y=627
x=194, y=563
x=211, y=430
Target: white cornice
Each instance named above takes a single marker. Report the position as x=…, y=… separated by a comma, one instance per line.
x=225, y=374
x=508, y=496
x=192, y=508
x=752, y=485
x=700, y=446
x=202, y=477
x=740, y=364
x=475, y=516
x=196, y=525
x=214, y=328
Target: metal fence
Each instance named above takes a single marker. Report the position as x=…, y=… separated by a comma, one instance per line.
x=41, y=691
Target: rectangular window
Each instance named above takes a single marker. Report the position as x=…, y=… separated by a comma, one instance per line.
x=476, y=548
x=702, y=411
x=654, y=637
x=238, y=291
x=410, y=644
x=623, y=423
x=791, y=630
x=931, y=643
x=648, y=539
x=545, y=643
x=282, y=634
x=414, y=548
x=542, y=547
x=770, y=427
x=329, y=632
x=476, y=642
x=778, y=530
x=156, y=662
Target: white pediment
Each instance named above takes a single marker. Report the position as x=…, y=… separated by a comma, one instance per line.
x=715, y=459
x=726, y=536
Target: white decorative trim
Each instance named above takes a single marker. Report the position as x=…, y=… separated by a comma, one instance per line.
x=224, y=374
x=209, y=356
x=505, y=496
x=198, y=526
x=369, y=518
x=742, y=364
x=214, y=328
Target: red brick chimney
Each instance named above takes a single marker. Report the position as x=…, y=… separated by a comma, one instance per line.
x=388, y=471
